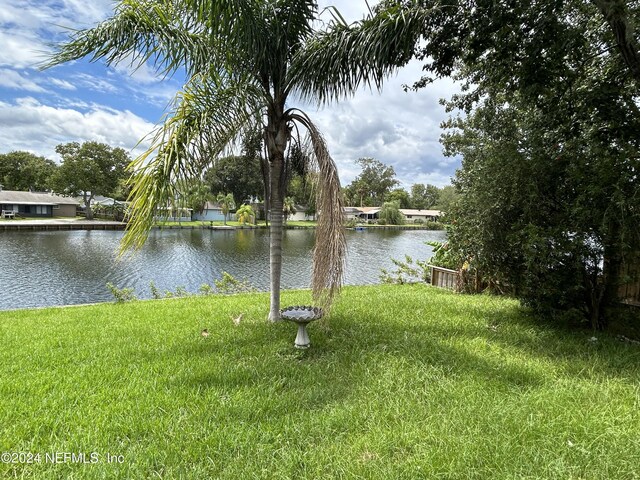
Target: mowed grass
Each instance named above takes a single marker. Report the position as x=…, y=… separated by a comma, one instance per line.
x=401, y=382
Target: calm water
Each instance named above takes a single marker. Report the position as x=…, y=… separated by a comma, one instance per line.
x=64, y=268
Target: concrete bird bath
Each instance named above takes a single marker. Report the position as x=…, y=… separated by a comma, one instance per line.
x=301, y=315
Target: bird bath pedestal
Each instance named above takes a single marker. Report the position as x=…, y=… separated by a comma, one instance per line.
x=301, y=315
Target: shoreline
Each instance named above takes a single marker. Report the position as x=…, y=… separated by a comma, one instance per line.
x=64, y=225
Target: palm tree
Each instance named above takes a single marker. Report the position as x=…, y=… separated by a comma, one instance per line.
x=198, y=194
x=289, y=208
x=244, y=60
x=226, y=203
x=245, y=214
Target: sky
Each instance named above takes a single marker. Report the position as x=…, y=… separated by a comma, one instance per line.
x=82, y=101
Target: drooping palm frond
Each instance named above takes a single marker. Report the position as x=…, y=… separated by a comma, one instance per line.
x=208, y=116
x=335, y=63
x=331, y=247
x=163, y=33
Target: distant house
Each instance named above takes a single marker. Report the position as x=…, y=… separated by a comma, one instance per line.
x=32, y=204
x=173, y=214
x=212, y=212
x=301, y=215
x=423, y=215
x=351, y=213
x=365, y=214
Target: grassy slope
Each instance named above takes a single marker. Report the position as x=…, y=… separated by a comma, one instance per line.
x=403, y=382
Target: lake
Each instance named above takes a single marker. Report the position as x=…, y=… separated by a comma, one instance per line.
x=72, y=267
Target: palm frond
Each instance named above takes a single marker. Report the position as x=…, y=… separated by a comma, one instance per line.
x=165, y=34
x=209, y=115
x=331, y=247
x=335, y=63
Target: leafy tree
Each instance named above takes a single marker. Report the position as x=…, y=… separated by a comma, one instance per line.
x=227, y=203
x=424, y=196
x=399, y=195
x=390, y=214
x=240, y=175
x=374, y=182
x=245, y=214
x=25, y=171
x=550, y=145
x=447, y=198
x=89, y=169
x=243, y=61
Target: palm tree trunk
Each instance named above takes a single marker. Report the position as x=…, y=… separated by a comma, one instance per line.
x=277, y=137
x=275, y=258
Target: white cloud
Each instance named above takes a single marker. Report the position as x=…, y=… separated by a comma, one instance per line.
x=29, y=125
x=62, y=84
x=16, y=81
x=399, y=128
x=94, y=83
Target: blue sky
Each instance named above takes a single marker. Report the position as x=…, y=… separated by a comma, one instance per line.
x=83, y=101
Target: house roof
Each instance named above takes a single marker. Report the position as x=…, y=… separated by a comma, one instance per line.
x=420, y=213
x=32, y=198
x=211, y=206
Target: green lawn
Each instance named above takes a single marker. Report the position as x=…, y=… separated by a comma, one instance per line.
x=402, y=382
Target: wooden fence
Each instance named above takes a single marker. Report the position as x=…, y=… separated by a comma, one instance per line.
x=445, y=278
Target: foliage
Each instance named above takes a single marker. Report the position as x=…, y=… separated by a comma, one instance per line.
x=197, y=194
x=121, y=295
x=400, y=196
x=447, y=199
x=89, y=169
x=245, y=214
x=549, y=191
x=407, y=272
x=289, y=208
x=350, y=223
x=548, y=213
x=424, y=197
x=372, y=185
x=238, y=175
x=390, y=214
x=227, y=203
x=25, y=171
x=410, y=271
x=229, y=285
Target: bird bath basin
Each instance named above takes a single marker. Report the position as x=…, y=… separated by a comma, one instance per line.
x=301, y=315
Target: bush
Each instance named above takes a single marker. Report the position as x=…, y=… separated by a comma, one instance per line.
x=350, y=223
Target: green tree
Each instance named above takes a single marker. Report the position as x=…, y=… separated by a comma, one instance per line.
x=424, y=196
x=447, y=198
x=240, y=175
x=25, y=171
x=390, y=214
x=399, y=195
x=227, y=203
x=374, y=182
x=89, y=169
x=553, y=100
x=245, y=214
x=243, y=62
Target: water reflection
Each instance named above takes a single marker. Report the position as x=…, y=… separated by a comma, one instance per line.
x=71, y=267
